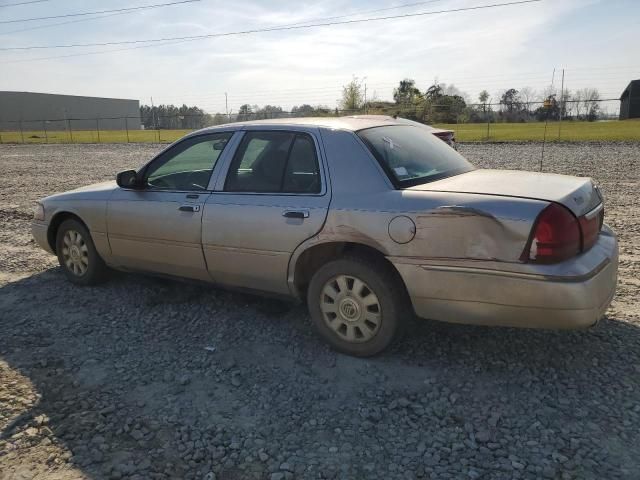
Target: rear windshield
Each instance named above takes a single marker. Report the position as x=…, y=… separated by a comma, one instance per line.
x=412, y=155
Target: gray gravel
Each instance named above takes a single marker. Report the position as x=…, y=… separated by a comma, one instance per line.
x=145, y=378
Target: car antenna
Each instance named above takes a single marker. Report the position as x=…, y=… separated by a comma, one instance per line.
x=547, y=106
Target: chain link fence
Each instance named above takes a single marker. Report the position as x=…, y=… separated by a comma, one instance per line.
x=480, y=122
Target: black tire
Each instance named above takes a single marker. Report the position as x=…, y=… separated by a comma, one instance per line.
x=379, y=279
x=95, y=271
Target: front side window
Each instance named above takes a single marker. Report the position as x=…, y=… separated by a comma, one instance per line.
x=412, y=155
x=274, y=162
x=188, y=165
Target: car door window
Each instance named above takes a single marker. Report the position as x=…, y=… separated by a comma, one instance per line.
x=274, y=162
x=188, y=165
x=302, y=174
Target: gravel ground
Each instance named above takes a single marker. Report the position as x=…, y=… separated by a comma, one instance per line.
x=145, y=378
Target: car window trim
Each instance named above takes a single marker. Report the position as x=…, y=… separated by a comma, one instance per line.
x=224, y=172
x=170, y=148
x=286, y=162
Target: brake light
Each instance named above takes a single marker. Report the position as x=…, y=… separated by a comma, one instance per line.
x=556, y=236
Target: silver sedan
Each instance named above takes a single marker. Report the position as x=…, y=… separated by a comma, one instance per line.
x=371, y=220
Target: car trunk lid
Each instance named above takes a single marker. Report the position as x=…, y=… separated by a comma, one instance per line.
x=578, y=194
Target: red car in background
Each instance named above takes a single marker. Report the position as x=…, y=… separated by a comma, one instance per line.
x=447, y=136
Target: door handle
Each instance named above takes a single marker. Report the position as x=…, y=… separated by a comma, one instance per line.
x=189, y=208
x=296, y=213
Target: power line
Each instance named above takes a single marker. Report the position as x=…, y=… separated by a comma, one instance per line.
x=362, y=12
x=128, y=9
x=355, y=13
x=274, y=29
x=307, y=95
x=50, y=25
x=21, y=3
x=456, y=81
x=391, y=108
x=99, y=52
x=328, y=88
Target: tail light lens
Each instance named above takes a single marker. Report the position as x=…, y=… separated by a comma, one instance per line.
x=556, y=236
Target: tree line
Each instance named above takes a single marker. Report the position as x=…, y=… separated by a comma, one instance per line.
x=442, y=103
x=437, y=103
x=170, y=117
x=526, y=104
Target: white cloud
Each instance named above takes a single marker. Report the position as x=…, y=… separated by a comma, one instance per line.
x=492, y=49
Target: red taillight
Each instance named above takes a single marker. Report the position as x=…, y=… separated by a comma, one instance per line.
x=556, y=236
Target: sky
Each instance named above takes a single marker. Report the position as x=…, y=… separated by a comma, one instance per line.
x=594, y=41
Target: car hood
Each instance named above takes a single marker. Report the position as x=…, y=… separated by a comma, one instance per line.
x=96, y=191
x=579, y=194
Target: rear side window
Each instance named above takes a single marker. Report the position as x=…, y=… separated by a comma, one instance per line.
x=274, y=162
x=301, y=174
x=412, y=155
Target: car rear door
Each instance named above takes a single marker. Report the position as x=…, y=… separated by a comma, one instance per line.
x=158, y=227
x=272, y=195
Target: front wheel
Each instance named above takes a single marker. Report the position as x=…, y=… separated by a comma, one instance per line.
x=77, y=254
x=356, y=305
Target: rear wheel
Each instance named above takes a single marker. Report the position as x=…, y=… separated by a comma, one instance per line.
x=356, y=305
x=77, y=254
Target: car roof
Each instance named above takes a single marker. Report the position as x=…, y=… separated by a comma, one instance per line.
x=351, y=122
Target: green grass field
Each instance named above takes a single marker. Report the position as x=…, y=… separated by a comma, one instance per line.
x=91, y=136
x=625, y=130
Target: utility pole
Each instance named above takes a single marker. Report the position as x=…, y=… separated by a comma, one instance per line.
x=154, y=119
x=153, y=114
x=365, y=98
x=546, y=121
x=562, y=104
x=68, y=122
x=366, y=109
x=226, y=105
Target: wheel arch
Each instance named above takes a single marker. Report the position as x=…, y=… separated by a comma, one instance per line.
x=55, y=223
x=309, y=260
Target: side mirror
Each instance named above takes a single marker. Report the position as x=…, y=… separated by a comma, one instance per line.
x=128, y=179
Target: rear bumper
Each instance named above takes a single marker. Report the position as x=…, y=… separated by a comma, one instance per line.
x=39, y=232
x=562, y=296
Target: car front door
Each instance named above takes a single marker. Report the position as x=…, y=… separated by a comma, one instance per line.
x=158, y=226
x=274, y=196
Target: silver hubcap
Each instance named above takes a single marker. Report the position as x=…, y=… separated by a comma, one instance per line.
x=75, y=253
x=350, y=308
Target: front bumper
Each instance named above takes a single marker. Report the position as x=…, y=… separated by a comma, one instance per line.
x=561, y=296
x=39, y=231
